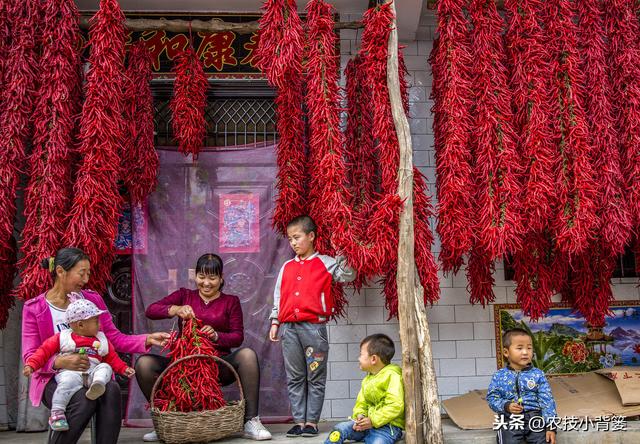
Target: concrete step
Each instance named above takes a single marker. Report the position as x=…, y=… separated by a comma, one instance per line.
x=452, y=434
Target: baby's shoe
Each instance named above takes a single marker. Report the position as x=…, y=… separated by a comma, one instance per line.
x=58, y=421
x=95, y=391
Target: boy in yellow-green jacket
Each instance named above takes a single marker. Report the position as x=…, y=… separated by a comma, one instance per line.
x=378, y=416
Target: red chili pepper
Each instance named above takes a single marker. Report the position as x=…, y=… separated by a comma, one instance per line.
x=93, y=219
x=193, y=383
x=189, y=102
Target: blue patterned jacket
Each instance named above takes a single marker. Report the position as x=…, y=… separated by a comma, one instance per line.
x=529, y=384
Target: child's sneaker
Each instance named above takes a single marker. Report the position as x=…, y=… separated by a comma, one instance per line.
x=253, y=429
x=309, y=431
x=95, y=391
x=58, y=422
x=294, y=432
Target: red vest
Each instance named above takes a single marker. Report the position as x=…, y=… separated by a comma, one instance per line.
x=305, y=290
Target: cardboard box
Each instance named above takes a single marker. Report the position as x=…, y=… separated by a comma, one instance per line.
x=585, y=394
x=627, y=381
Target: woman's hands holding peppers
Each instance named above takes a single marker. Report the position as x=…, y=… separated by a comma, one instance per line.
x=209, y=331
x=182, y=311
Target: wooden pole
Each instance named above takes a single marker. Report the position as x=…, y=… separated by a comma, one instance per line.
x=422, y=408
x=208, y=26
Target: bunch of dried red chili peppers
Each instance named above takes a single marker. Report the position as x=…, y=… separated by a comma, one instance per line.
x=139, y=159
x=279, y=56
x=17, y=99
x=555, y=184
x=48, y=195
x=191, y=385
x=189, y=102
x=348, y=183
x=93, y=221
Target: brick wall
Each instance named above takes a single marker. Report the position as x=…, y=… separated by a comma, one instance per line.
x=463, y=338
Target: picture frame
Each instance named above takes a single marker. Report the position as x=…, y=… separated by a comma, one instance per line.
x=564, y=344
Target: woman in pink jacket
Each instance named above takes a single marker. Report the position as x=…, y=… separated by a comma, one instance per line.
x=43, y=316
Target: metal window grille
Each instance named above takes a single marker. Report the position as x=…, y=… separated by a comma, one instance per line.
x=234, y=116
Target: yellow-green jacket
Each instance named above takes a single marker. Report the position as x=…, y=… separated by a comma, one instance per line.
x=381, y=398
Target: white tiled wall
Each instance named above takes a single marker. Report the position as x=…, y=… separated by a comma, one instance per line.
x=463, y=338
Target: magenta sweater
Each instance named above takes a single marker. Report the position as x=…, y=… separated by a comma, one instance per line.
x=224, y=314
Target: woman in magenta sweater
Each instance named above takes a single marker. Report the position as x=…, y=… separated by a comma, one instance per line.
x=221, y=315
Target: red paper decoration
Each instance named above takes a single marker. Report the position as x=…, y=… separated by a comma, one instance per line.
x=48, y=195
x=189, y=102
x=93, y=221
x=140, y=159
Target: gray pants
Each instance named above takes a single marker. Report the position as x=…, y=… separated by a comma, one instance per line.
x=306, y=350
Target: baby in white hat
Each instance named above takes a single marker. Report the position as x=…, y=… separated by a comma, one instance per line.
x=84, y=337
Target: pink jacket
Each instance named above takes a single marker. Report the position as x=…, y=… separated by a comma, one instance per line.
x=37, y=326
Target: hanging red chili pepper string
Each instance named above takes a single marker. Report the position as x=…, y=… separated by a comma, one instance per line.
x=613, y=210
x=452, y=96
x=426, y=265
x=382, y=228
x=18, y=98
x=48, y=195
x=189, y=102
x=328, y=201
x=140, y=160
x=534, y=275
x=623, y=34
x=575, y=221
x=497, y=168
x=374, y=46
x=425, y=261
x=525, y=40
x=362, y=162
x=592, y=271
x=279, y=56
x=93, y=221
x=191, y=385
x=5, y=39
x=363, y=226
x=361, y=159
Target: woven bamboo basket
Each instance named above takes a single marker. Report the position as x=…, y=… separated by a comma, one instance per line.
x=198, y=427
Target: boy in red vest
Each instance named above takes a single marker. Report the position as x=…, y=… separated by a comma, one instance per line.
x=302, y=305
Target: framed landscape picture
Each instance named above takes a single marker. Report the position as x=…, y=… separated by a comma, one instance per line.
x=564, y=343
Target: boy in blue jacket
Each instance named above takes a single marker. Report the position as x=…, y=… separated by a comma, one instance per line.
x=521, y=389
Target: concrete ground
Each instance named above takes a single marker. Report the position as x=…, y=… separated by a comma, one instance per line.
x=452, y=435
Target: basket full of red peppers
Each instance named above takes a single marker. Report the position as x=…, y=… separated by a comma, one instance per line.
x=187, y=404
